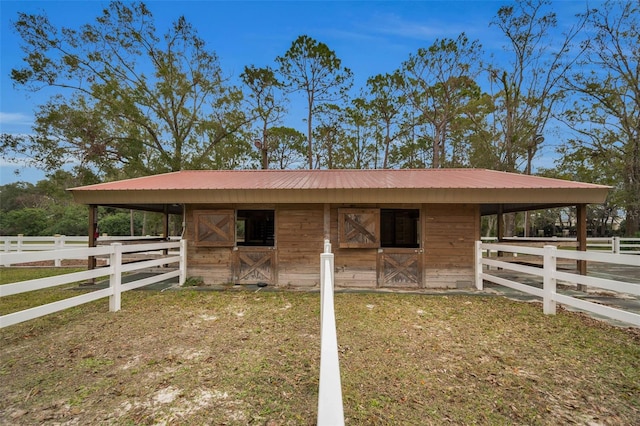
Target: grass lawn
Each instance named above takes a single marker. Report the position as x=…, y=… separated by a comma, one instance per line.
x=240, y=357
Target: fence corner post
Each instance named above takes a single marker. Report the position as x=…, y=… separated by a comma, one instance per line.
x=549, y=280
x=115, y=278
x=478, y=265
x=183, y=262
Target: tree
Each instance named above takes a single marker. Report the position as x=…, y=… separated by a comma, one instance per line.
x=385, y=108
x=30, y=221
x=358, y=150
x=311, y=67
x=266, y=105
x=606, y=115
x=528, y=87
x=135, y=101
x=439, y=82
x=286, y=148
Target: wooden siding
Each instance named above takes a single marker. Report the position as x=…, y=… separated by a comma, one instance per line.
x=299, y=241
x=449, y=235
x=444, y=258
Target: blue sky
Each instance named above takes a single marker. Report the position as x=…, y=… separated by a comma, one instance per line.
x=370, y=37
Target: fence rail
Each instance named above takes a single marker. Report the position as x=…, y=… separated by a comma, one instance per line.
x=330, y=408
x=114, y=272
x=551, y=275
x=22, y=244
x=623, y=245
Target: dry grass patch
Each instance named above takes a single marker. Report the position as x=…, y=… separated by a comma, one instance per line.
x=238, y=357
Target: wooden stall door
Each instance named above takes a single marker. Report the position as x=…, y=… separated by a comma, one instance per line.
x=400, y=268
x=252, y=265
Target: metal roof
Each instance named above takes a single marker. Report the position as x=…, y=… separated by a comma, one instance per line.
x=478, y=186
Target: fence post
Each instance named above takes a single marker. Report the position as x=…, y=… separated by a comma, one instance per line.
x=330, y=406
x=479, y=283
x=115, y=279
x=7, y=247
x=58, y=242
x=615, y=245
x=183, y=262
x=549, y=280
x=19, y=242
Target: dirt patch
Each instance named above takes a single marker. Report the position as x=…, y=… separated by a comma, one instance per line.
x=238, y=357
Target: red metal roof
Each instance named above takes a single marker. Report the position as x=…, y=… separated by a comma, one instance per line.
x=336, y=179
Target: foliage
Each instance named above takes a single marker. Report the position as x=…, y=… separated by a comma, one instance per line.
x=120, y=224
x=439, y=84
x=138, y=103
x=29, y=221
x=528, y=88
x=606, y=114
x=267, y=104
x=309, y=66
x=286, y=148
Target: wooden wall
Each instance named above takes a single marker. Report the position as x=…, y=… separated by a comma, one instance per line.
x=299, y=240
x=448, y=233
x=448, y=240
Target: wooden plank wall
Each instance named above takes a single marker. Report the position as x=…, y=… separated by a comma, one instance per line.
x=448, y=234
x=448, y=239
x=212, y=264
x=299, y=240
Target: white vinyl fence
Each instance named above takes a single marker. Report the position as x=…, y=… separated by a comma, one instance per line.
x=551, y=275
x=20, y=243
x=330, y=408
x=114, y=272
x=623, y=245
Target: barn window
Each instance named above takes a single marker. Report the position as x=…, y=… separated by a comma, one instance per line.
x=359, y=228
x=399, y=228
x=255, y=228
x=214, y=228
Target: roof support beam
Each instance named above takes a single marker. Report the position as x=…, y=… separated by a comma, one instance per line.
x=500, y=224
x=581, y=227
x=93, y=234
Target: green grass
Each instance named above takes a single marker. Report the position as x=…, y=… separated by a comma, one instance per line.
x=240, y=357
x=18, y=302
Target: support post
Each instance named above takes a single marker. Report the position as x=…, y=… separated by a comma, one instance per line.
x=165, y=226
x=500, y=224
x=93, y=234
x=549, y=281
x=115, y=279
x=327, y=221
x=581, y=218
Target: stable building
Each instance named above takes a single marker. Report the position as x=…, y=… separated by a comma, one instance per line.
x=406, y=229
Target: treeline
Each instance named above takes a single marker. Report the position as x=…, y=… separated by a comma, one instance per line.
x=46, y=208
x=446, y=105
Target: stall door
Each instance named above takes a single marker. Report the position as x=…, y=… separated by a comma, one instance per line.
x=400, y=268
x=253, y=265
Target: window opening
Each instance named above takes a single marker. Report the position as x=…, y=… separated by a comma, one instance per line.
x=400, y=228
x=255, y=228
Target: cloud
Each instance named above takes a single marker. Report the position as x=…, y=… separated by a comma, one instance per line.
x=15, y=118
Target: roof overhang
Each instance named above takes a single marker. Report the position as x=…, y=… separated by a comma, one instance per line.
x=506, y=192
